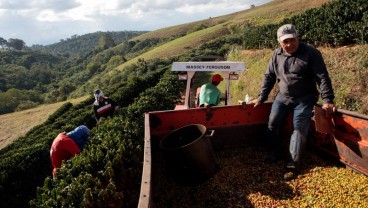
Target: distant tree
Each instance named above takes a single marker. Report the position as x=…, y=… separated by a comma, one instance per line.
x=26, y=105
x=26, y=61
x=65, y=89
x=9, y=103
x=252, y=6
x=105, y=41
x=16, y=44
x=116, y=60
x=3, y=42
x=12, y=98
x=92, y=68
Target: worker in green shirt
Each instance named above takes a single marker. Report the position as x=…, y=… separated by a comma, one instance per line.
x=210, y=94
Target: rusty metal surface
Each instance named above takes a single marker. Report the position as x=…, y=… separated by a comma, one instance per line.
x=345, y=138
x=322, y=123
x=233, y=125
x=163, y=122
x=347, y=141
x=144, y=199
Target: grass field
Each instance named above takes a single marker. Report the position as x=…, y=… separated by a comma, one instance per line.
x=14, y=125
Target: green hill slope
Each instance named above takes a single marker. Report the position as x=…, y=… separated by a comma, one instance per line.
x=271, y=12
x=186, y=37
x=17, y=124
x=181, y=45
x=80, y=45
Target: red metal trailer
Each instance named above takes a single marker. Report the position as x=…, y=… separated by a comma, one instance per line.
x=343, y=138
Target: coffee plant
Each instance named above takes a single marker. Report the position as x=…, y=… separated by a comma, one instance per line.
x=107, y=173
x=110, y=162
x=337, y=23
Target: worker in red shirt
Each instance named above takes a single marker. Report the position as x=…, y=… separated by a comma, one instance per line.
x=67, y=145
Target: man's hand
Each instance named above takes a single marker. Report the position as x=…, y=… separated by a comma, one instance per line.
x=329, y=109
x=256, y=102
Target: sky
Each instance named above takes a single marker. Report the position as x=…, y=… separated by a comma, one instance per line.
x=46, y=22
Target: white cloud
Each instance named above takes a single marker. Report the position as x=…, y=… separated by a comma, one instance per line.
x=48, y=21
x=214, y=7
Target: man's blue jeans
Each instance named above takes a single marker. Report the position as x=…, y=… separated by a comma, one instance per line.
x=301, y=113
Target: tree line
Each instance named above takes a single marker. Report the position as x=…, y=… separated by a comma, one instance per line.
x=35, y=76
x=12, y=44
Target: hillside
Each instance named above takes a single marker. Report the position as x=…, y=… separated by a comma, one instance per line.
x=14, y=125
x=82, y=44
x=273, y=11
x=136, y=73
x=47, y=74
x=219, y=26
x=184, y=38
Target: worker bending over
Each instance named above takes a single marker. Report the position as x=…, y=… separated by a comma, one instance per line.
x=67, y=145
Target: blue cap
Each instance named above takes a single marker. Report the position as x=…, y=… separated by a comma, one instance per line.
x=80, y=135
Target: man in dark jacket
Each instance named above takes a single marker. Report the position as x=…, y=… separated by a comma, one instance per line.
x=67, y=145
x=103, y=107
x=298, y=68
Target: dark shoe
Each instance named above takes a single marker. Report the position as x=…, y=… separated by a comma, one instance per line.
x=291, y=171
x=290, y=176
x=291, y=166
